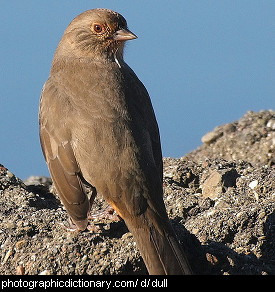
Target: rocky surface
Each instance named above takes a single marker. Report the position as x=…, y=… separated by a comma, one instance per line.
x=220, y=198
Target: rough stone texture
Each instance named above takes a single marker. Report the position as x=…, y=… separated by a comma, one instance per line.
x=220, y=198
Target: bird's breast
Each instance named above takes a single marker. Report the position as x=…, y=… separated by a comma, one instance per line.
x=99, y=120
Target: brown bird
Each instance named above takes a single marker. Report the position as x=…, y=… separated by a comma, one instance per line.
x=98, y=127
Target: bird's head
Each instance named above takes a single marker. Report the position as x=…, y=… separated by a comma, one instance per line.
x=96, y=33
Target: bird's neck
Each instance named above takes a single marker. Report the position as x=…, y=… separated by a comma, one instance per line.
x=112, y=52
x=114, y=59
x=63, y=62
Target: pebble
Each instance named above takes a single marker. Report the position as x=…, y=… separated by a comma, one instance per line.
x=253, y=184
x=19, y=244
x=8, y=254
x=127, y=235
x=261, y=215
x=20, y=270
x=271, y=124
x=45, y=272
x=10, y=174
x=211, y=259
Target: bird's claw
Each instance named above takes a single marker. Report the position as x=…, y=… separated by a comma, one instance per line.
x=108, y=214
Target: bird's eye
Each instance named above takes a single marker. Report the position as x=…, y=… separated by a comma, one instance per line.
x=98, y=28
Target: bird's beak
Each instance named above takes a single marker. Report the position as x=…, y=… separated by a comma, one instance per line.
x=124, y=35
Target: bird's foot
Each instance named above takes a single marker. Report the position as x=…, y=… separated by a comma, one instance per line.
x=70, y=226
x=108, y=214
x=95, y=221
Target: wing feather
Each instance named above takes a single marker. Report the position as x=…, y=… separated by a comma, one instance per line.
x=59, y=155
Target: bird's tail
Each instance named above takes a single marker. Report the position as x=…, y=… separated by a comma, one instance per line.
x=160, y=249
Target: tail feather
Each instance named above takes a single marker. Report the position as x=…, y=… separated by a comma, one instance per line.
x=160, y=251
x=171, y=256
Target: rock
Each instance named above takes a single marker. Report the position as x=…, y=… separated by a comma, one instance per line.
x=253, y=184
x=220, y=199
x=217, y=181
x=212, y=136
x=251, y=138
x=271, y=124
x=38, y=180
x=19, y=244
x=20, y=270
x=45, y=272
x=218, y=132
x=212, y=186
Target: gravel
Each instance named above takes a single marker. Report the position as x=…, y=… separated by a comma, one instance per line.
x=220, y=199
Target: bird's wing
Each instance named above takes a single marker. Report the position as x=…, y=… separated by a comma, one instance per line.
x=59, y=155
x=146, y=132
x=143, y=107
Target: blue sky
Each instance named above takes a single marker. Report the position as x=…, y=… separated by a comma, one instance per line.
x=204, y=63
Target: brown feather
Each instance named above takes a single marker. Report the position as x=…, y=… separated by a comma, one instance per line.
x=97, y=124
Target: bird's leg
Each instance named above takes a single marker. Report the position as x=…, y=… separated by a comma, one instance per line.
x=92, y=198
x=108, y=214
x=92, y=227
